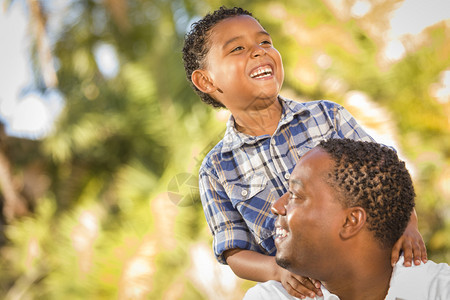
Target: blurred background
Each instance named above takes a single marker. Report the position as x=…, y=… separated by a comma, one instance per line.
x=101, y=136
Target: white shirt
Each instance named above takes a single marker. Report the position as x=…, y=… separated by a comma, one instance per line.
x=272, y=290
x=426, y=281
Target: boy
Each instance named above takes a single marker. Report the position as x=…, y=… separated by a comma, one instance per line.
x=230, y=61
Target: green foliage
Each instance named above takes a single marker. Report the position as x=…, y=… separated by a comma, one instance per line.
x=107, y=225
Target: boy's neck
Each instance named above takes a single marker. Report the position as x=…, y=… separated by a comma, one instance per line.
x=258, y=122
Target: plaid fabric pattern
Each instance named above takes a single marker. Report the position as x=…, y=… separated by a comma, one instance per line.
x=243, y=175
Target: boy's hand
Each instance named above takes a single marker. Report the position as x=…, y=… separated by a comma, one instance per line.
x=300, y=287
x=412, y=245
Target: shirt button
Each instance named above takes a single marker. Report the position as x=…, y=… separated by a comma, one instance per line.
x=244, y=193
x=273, y=141
x=286, y=176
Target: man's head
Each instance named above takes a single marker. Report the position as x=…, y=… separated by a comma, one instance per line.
x=229, y=57
x=341, y=193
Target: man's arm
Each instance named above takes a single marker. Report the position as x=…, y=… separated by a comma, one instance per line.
x=411, y=243
x=255, y=266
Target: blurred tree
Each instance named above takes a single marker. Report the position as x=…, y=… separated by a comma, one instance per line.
x=14, y=205
x=103, y=224
x=113, y=147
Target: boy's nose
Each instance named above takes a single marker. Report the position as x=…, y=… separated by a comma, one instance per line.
x=258, y=51
x=279, y=206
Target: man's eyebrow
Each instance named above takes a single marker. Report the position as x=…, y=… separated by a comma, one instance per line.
x=262, y=32
x=295, y=182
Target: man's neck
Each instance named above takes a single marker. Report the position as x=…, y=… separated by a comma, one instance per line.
x=369, y=281
x=258, y=121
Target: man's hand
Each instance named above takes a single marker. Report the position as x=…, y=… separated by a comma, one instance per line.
x=298, y=286
x=412, y=245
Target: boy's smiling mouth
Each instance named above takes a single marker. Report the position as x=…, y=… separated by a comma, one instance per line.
x=262, y=72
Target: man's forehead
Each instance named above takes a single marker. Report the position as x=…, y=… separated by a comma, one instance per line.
x=316, y=155
x=314, y=162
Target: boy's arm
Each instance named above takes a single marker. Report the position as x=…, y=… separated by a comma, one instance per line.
x=411, y=243
x=255, y=266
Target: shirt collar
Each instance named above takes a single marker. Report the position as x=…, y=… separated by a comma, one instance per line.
x=234, y=139
x=327, y=295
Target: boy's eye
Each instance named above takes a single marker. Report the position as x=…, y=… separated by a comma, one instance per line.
x=266, y=43
x=237, y=49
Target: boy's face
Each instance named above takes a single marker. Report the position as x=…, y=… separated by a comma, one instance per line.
x=243, y=64
x=309, y=218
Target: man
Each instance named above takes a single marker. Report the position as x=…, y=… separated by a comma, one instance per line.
x=348, y=203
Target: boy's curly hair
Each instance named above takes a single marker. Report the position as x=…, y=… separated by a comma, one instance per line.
x=196, y=45
x=371, y=176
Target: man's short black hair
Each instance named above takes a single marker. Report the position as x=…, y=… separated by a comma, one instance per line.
x=371, y=176
x=196, y=45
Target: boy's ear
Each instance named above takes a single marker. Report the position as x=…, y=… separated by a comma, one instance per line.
x=355, y=219
x=202, y=81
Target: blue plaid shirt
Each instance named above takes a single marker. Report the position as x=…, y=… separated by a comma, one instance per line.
x=243, y=175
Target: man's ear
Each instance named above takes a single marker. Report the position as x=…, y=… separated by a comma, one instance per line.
x=202, y=81
x=355, y=219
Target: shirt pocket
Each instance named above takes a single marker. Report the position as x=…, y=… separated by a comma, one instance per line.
x=247, y=188
x=251, y=198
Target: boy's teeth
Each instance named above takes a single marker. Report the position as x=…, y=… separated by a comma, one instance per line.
x=261, y=72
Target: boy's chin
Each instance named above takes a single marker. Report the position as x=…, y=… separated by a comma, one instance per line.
x=263, y=103
x=267, y=96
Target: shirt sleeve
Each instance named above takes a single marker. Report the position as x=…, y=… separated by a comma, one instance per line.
x=346, y=125
x=225, y=222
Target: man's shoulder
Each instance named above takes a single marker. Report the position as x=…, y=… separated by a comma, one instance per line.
x=267, y=291
x=274, y=290
x=425, y=281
